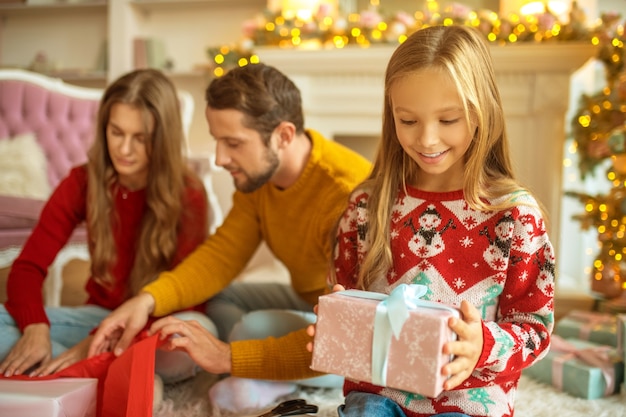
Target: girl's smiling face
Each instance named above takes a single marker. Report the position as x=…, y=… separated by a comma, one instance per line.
x=432, y=129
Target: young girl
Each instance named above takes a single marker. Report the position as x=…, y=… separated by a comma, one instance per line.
x=144, y=212
x=442, y=208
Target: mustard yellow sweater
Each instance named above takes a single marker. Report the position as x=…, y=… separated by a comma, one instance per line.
x=297, y=224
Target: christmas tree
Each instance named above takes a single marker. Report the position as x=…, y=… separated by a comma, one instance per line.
x=598, y=130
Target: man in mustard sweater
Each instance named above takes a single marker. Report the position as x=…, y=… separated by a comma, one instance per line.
x=292, y=186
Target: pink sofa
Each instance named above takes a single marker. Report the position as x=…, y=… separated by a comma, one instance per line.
x=61, y=118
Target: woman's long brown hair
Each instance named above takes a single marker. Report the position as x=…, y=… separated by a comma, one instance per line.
x=156, y=96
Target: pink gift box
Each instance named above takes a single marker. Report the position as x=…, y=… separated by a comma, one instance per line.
x=62, y=397
x=349, y=341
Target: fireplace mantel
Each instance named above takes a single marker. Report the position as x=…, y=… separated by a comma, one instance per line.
x=521, y=57
x=342, y=90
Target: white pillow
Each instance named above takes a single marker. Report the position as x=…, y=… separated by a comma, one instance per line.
x=23, y=168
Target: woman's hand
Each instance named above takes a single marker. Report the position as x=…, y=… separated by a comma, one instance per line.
x=310, y=330
x=467, y=348
x=210, y=353
x=74, y=354
x=34, y=347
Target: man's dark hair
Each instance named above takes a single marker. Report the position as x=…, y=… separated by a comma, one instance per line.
x=263, y=94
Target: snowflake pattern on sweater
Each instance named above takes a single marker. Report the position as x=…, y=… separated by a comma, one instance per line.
x=501, y=262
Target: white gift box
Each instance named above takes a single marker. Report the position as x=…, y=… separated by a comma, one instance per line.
x=62, y=397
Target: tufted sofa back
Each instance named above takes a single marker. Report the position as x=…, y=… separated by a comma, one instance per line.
x=61, y=116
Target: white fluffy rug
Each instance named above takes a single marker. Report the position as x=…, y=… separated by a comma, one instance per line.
x=190, y=399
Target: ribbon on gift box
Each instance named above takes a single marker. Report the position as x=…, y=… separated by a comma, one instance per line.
x=598, y=356
x=591, y=320
x=391, y=313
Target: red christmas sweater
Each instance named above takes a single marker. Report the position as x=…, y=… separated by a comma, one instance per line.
x=63, y=213
x=501, y=262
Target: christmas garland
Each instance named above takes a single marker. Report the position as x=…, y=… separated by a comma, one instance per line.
x=372, y=26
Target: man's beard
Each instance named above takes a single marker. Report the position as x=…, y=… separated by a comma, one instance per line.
x=256, y=181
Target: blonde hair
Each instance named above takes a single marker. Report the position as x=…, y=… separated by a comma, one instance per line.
x=168, y=174
x=460, y=52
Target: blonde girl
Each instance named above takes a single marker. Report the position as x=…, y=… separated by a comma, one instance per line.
x=442, y=208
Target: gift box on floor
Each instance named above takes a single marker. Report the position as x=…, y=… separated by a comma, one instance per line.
x=600, y=328
x=580, y=368
x=394, y=341
x=62, y=397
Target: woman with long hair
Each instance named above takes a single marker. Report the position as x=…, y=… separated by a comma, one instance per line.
x=144, y=211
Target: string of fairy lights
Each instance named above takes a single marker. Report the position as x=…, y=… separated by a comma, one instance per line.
x=374, y=27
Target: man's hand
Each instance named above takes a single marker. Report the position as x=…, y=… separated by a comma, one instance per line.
x=118, y=329
x=34, y=347
x=467, y=348
x=75, y=354
x=206, y=350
